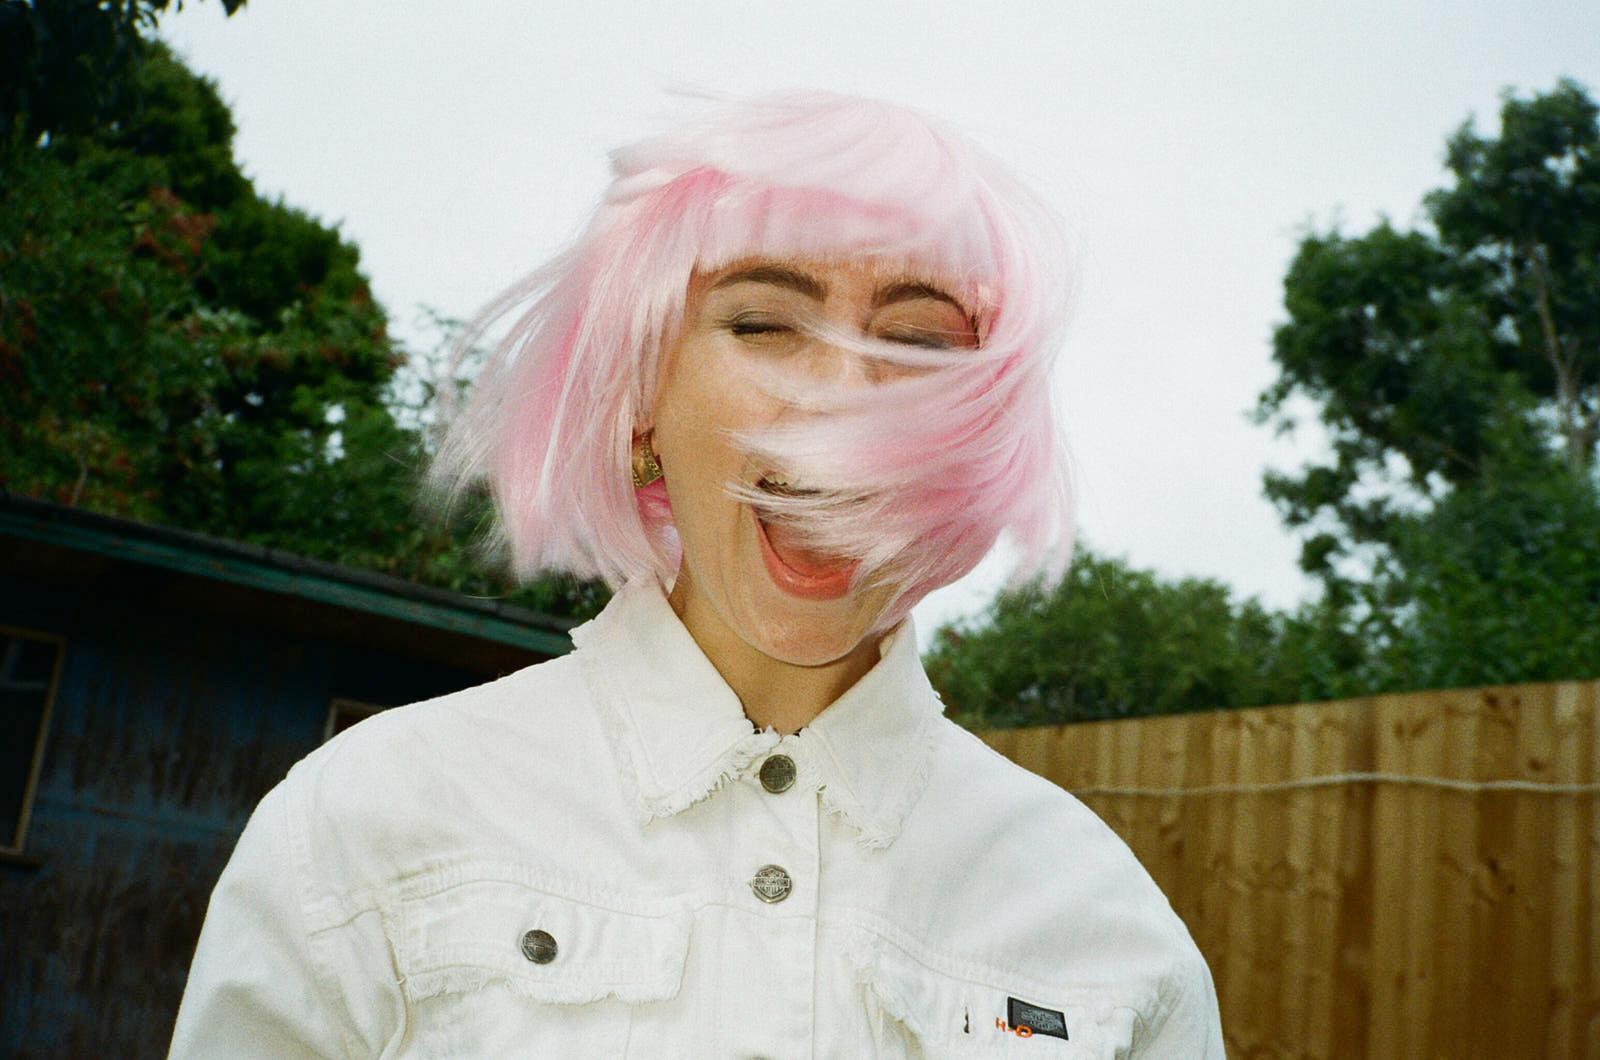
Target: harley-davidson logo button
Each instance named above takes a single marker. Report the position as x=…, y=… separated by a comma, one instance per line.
x=771, y=883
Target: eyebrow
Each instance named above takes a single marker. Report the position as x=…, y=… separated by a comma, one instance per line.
x=811, y=287
x=910, y=291
x=777, y=276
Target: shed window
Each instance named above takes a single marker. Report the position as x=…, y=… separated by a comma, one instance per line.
x=343, y=713
x=29, y=665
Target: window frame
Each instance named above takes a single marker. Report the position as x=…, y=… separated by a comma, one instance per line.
x=356, y=710
x=13, y=846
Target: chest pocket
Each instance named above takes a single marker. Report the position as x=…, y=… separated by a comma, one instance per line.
x=501, y=967
x=916, y=1011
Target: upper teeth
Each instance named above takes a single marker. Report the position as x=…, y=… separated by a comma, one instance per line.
x=777, y=478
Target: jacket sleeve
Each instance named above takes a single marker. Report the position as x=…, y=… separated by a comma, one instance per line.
x=1191, y=1025
x=252, y=989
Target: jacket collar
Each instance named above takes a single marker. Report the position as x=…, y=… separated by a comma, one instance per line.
x=680, y=733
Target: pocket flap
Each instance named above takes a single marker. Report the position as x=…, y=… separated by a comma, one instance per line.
x=969, y=1012
x=463, y=930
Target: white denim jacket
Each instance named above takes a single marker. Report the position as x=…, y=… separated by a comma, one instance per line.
x=566, y=863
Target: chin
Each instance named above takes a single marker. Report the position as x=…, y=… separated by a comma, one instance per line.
x=816, y=638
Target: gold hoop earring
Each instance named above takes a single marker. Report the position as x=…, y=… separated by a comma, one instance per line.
x=646, y=466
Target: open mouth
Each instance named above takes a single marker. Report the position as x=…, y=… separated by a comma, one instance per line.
x=794, y=565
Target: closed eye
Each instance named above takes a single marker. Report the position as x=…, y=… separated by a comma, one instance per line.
x=760, y=328
x=757, y=327
x=928, y=338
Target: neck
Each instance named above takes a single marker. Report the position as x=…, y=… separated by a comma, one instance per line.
x=775, y=694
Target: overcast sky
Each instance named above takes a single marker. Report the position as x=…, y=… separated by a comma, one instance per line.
x=1187, y=145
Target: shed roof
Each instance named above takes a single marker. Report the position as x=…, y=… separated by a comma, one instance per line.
x=276, y=588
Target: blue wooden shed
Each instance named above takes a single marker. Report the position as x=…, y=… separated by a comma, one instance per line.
x=154, y=684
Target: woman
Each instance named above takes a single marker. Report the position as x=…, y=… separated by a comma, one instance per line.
x=792, y=377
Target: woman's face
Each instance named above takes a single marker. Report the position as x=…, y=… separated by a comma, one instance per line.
x=743, y=581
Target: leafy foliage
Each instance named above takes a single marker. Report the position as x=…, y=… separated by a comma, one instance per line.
x=67, y=66
x=1505, y=586
x=175, y=348
x=1527, y=205
x=1457, y=370
x=1109, y=641
x=138, y=315
x=1453, y=354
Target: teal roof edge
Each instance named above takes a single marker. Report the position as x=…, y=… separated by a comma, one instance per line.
x=278, y=572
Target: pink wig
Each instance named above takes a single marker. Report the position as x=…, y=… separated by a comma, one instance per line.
x=916, y=477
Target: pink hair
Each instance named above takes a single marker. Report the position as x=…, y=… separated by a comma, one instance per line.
x=922, y=474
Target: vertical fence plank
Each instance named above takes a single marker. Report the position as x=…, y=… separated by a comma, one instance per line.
x=1305, y=896
x=1241, y=962
x=1390, y=882
x=1566, y=894
x=1458, y=947
x=1320, y=750
x=1499, y=877
x=1531, y=906
x=1279, y=931
x=1353, y=932
x=1588, y=1015
x=1425, y=724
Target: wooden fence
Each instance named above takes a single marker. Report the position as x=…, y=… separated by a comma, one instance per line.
x=1402, y=876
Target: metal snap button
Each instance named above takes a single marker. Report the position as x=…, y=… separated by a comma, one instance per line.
x=777, y=774
x=539, y=947
x=771, y=883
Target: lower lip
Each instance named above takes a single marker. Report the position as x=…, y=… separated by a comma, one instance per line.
x=833, y=585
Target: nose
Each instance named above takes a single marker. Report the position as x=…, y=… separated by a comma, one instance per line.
x=843, y=366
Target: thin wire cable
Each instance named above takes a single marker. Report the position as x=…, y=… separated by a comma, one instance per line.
x=1331, y=780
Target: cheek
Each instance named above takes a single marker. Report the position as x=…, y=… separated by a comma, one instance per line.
x=698, y=414
x=699, y=460
x=691, y=437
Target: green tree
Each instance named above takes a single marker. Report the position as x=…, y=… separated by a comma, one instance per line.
x=1504, y=580
x=1527, y=205
x=67, y=66
x=181, y=349
x=1109, y=641
x=1456, y=368
x=175, y=348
